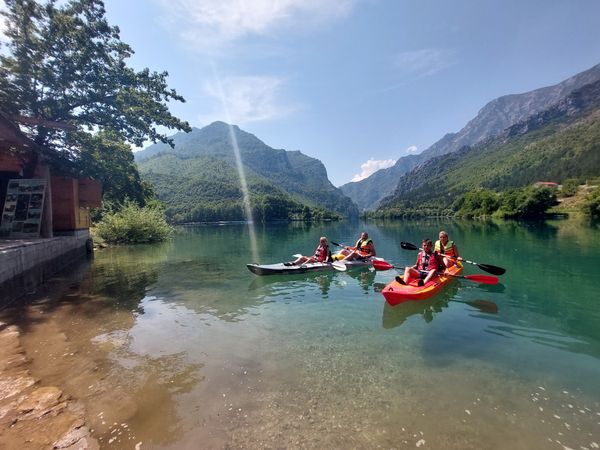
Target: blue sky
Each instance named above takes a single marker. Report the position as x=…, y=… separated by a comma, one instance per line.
x=353, y=81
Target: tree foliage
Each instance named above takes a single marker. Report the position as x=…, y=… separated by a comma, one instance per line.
x=569, y=187
x=64, y=63
x=591, y=206
x=526, y=203
x=109, y=160
x=481, y=202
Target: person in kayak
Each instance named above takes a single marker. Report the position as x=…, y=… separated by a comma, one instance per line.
x=322, y=254
x=428, y=264
x=447, y=249
x=363, y=249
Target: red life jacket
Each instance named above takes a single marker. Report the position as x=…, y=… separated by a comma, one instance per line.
x=321, y=253
x=427, y=261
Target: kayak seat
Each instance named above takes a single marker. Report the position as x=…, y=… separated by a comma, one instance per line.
x=288, y=264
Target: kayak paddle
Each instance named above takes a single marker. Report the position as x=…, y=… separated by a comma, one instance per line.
x=485, y=267
x=347, y=247
x=337, y=265
x=485, y=279
x=482, y=305
x=384, y=265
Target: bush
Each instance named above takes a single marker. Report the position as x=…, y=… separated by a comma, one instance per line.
x=530, y=202
x=591, y=206
x=133, y=224
x=569, y=187
x=479, y=203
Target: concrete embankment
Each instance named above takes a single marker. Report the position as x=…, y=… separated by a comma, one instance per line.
x=25, y=264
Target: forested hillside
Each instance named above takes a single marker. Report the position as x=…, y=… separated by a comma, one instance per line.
x=559, y=143
x=198, y=179
x=491, y=120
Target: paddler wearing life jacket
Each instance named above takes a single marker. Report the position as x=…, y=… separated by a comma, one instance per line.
x=447, y=249
x=322, y=254
x=363, y=249
x=428, y=264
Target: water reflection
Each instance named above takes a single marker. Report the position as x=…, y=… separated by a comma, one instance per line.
x=394, y=316
x=365, y=277
x=79, y=332
x=275, y=285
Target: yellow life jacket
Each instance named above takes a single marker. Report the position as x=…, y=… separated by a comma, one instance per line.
x=363, y=246
x=449, y=249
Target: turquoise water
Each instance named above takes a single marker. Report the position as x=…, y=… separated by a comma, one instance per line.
x=179, y=346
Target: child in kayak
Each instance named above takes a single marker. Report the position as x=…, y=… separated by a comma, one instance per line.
x=447, y=249
x=428, y=264
x=322, y=254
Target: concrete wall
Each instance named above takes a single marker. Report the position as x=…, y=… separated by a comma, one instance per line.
x=25, y=263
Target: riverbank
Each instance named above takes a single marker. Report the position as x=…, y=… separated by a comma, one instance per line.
x=34, y=415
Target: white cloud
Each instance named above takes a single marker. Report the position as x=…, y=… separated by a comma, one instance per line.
x=371, y=166
x=411, y=150
x=240, y=100
x=425, y=62
x=209, y=24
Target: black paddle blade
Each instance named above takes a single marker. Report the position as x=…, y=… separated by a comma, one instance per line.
x=494, y=270
x=336, y=244
x=408, y=246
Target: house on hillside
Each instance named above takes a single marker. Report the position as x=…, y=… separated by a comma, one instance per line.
x=548, y=184
x=45, y=214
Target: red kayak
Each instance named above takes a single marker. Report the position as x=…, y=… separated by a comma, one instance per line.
x=396, y=293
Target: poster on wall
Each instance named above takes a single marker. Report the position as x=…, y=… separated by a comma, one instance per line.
x=22, y=213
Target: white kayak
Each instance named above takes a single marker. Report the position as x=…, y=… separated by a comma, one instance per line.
x=283, y=268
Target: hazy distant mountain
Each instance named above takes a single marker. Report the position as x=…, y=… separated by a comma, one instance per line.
x=492, y=119
x=191, y=176
x=558, y=143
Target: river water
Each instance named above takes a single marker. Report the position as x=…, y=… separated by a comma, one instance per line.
x=178, y=345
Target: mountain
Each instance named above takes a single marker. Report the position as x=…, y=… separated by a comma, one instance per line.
x=492, y=119
x=558, y=143
x=198, y=179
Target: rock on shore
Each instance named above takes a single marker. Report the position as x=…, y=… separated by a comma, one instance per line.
x=33, y=416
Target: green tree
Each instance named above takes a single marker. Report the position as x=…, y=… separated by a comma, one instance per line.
x=109, y=160
x=482, y=202
x=591, y=206
x=63, y=63
x=569, y=187
x=530, y=202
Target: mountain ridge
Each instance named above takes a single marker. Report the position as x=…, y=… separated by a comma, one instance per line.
x=290, y=173
x=492, y=118
x=560, y=142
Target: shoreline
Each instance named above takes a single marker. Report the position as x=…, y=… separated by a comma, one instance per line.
x=33, y=415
